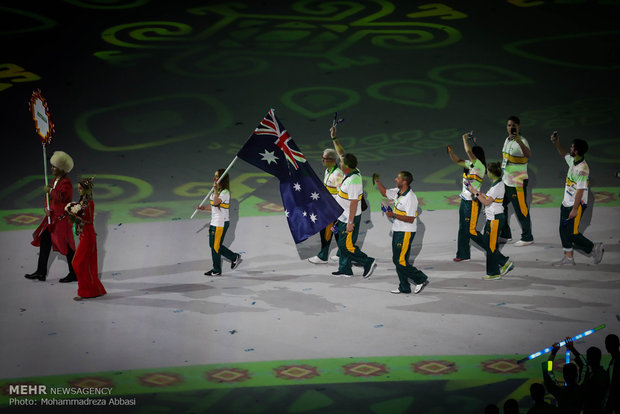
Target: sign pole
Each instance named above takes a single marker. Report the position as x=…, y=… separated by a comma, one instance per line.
x=47, y=195
x=45, y=129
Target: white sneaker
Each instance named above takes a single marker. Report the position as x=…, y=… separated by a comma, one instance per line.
x=597, y=252
x=396, y=292
x=420, y=287
x=522, y=243
x=334, y=258
x=316, y=260
x=564, y=261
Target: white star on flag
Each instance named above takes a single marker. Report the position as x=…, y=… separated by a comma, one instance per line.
x=315, y=196
x=286, y=212
x=313, y=217
x=269, y=157
x=297, y=187
x=305, y=214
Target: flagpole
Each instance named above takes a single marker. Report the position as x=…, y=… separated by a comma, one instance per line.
x=218, y=181
x=47, y=195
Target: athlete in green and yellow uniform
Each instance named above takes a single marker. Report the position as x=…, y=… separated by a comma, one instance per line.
x=404, y=227
x=574, y=203
x=515, y=155
x=219, y=206
x=332, y=178
x=350, y=196
x=469, y=209
x=497, y=264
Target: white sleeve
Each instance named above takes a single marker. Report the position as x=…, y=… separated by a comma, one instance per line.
x=225, y=197
x=412, y=208
x=391, y=193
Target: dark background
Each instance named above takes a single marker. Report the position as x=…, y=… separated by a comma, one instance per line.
x=204, y=82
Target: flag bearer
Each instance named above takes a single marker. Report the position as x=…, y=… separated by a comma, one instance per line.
x=219, y=207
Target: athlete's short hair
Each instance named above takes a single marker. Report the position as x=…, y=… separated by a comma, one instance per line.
x=407, y=176
x=350, y=161
x=330, y=154
x=580, y=146
x=514, y=119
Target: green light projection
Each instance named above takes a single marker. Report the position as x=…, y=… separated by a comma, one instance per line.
x=474, y=74
x=110, y=187
x=108, y=4
x=322, y=32
x=10, y=15
x=411, y=92
x=319, y=101
x=582, y=53
x=154, y=116
x=15, y=74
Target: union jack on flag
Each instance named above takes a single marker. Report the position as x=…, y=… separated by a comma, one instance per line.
x=271, y=126
x=308, y=205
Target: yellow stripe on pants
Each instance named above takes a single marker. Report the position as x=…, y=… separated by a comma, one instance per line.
x=350, y=246
x=217, y=239
x=328, y=232
x=521, y=198
x=493, y=235
x=577, y=220
x=473, y=219
x=405, y=248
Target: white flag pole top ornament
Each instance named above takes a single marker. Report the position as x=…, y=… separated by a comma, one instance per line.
x=45, y=128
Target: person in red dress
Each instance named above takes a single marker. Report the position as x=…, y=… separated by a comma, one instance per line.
x=85, y=260
x=56, y=233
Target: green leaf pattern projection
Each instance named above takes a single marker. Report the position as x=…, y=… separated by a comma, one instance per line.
x=469, y=74
x=316, y=102
x=108, y=4
x=411, y=92
x=201, y=46
x=11, y=73
x=322, y=32
x=572, y=50
x=157, y=116
x=10, y=15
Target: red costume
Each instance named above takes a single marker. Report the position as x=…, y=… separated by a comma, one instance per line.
x=60, y=229
x=85, y=259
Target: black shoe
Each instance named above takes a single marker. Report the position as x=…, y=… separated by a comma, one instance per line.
x=345, y=274
x=235, y=263
x=369, y=268
x=213, y=273
x=35, y=276
x=69, y=278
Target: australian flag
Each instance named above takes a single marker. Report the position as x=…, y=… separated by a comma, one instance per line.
x=308, y=206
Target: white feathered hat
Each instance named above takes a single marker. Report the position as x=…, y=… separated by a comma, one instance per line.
x=62, y=161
